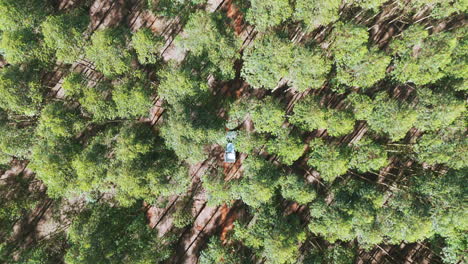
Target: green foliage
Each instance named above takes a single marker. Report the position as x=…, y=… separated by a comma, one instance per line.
x=370, y=69
x=172, y=8
x=388, y=115
x=363, y=106
x=356, y=64
x=446, y=193
x=330, y=222
x=206, y=36
x=188, y=136
x=51, y=160
x=104, y=234
x=17, y=201
x=56, y=147
x=20, y=89
x=15, y=138
x=183, y=217
x=259, y=182
x=331, y=161
x=359, y=210
x=454, y=252
x=267, y=61
x=97, y=100
x=130, y=160
x=248, y=142
x=458, y=68
x=309, y=115
x=340, y=255
x=297, y=189
x=268, y=13
x=91, y=165
x=218, y=191
x=369, y=4
x=447, y=146
x=74, y=84
x=57, y=121
x=238, y=112
x=108, y=51
x=86, y=147
x=288, y=147
x=64, y=34
x=309, y=69
x=50, y=251
x=336, y=254
x=216, y=252
x=20, y=46
x=367, y=155
x=132, y=96
x=177, y=84
x=272, y=235
x=147, y=45
x=268, y=116
x=422, y=59
x=437, y=110
x=143, y=168
x=314, y=13
x=22, y=13
x=442, y=9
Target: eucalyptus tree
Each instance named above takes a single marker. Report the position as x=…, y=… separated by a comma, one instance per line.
x=120, y=234
x=64, y=34
x=296, y=188
x=21, y=89
x=143, y=168
x=315, y=13
x=309, y=115
x=367, y=155
x=258, y=183
x=96, y=100
x=132, y=95
x=446, y=146
x=22, y=45
x=109, y=52
x=265, y=235
x=267, y=61
x=23, y=13
x=15, y=137
x=330, y=161
x=437, y=110
x=217, y=252
x=309, y=68
x=357, y=65
x=422, y=58
x=56, y=147
x=207, y=37
x=147, y=45
x=385, y=115
x=288, y=146
x=441, y=9
x=177, y=84
x=268, y=116
x=268, y=13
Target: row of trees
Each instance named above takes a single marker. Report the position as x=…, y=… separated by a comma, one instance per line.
x=314, y=13
x=414, y=57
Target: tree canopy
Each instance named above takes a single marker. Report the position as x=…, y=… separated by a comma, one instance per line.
x=347, y=120
x=107, y=51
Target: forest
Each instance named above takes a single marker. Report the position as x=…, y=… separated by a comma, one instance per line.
x=348, y=119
